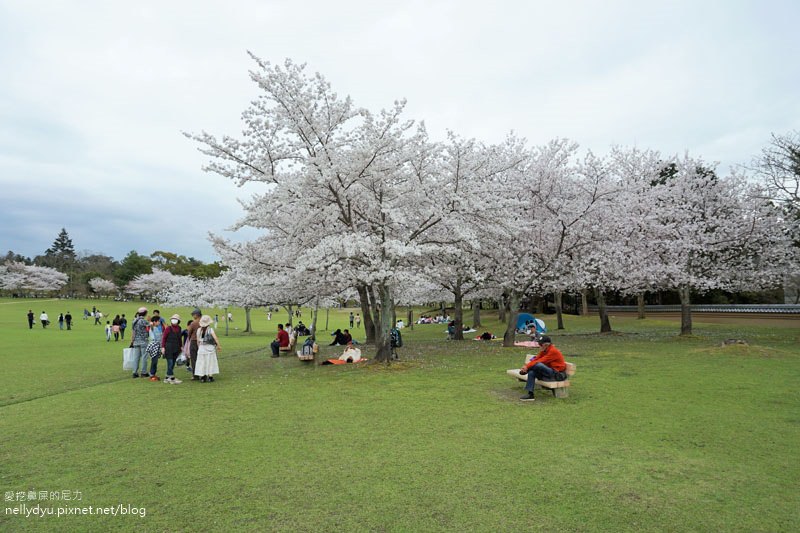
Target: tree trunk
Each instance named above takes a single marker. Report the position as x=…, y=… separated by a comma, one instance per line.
x=376, y=315
x=290, y=309
x=501, y=309
x=327, y=316
x=686, y=310
x=369, y=326
x=383, y=336
x=248, y=328
x=476, y=314
x=584, y=302
x=458, y=334
x=226, y=321
x=511, y=327
x=559, y=315
x=605, y=324
x=640, y=306
x=410, y=318
x=314, y=315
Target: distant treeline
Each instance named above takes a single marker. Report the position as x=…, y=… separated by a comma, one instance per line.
x=81, y=268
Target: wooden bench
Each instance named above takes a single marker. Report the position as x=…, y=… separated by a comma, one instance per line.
x=560, y=388
x=308, y=357
x=292, y=342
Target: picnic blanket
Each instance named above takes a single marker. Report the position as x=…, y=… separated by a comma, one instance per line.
x=340, y=362
x=527, y=344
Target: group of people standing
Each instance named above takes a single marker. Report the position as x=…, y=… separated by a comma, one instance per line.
x=152, y=339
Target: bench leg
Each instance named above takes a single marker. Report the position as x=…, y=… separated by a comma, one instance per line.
x=561, y=392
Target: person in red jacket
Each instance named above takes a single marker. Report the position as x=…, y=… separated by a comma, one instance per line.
x=548, y=365
x=281, y=341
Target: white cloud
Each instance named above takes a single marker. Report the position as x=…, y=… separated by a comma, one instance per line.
x=97, y=93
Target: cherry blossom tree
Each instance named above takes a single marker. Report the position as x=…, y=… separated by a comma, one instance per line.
x=188, y=291
x=352, y=194
x=12, y=276
x=151, y=284
x=714, y=232
x=549, y=200
x=460, y=264
x=620, y=257
x=103, y=286
x=38, y=279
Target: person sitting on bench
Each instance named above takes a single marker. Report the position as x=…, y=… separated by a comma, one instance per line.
x=548, y=365
x=281, y=341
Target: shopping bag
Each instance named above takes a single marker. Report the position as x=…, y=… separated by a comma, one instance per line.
x=127, y=359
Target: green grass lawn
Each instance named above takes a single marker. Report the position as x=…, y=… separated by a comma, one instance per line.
x=659, y=433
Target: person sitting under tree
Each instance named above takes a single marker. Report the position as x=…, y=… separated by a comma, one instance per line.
x=338, y=338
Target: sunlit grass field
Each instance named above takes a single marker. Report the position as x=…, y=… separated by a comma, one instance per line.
x=659, y=433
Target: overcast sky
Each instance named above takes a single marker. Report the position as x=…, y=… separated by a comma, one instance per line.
x=95, y=94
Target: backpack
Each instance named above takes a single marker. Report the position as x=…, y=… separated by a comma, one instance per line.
x=395, y=338
x=308, y=347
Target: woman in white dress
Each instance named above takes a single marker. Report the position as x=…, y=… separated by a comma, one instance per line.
x=207, y=348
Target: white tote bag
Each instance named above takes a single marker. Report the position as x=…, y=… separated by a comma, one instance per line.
x=127, y=359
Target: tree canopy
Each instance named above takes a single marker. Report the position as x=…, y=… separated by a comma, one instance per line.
x=364, y=201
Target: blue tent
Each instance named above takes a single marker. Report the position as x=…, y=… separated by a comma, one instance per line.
x=522, y=318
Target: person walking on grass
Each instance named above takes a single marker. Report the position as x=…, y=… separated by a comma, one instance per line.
x=548, y=365
x=139, y=340
x=68, y=320
x=207, y=348
x=115, y=328
x=123, y=325
x=352, y=319
x=108, y=331
x=171, y=346
x=44, y=319
x=60, y=320
x=30, y=318
x=358, y=320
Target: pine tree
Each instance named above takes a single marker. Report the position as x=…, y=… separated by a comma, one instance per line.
x=60, y=256
x=62, y=247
